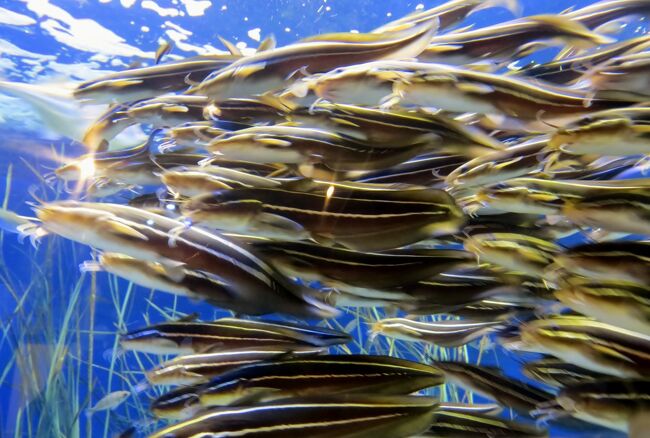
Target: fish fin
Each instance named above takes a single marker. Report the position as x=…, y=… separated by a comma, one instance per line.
x=245, y=71
x=277, y=102
x=569, y=26
x=474, y=88
x=117, y=227
x=271, y=141
x=230, y=47
x=344, y=122
x=442, y=48
x=121, y=83
x=512, y=5
x=269, y=43
x=639, y=424
x=279, y=222
x=611, y=352
x=299, y=89
x=175, y=109
x=505, y=164
x=163, y=49
x=175, y=272
x=614, y=27
x=188, y=318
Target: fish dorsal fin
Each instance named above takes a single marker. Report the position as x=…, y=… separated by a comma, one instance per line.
x=269, y=43
x=234, y=50
x=188, y=318
x=163, y=49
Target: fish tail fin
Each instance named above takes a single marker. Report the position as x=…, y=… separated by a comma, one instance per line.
x=512, y=5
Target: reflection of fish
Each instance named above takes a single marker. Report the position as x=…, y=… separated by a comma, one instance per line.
x=364, y=416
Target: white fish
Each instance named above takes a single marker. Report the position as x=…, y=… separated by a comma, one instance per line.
x=109, y=402
x=62, y=114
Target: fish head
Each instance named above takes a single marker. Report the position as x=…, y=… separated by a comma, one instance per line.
x=225, y=393
x=256, y=147
x=352, y=85
x=149, y=340
x=75, y=223
x=177, y=405
x=580, y=139
x=214, y=211
x=81, y=169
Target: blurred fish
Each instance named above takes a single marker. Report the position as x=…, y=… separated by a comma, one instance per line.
x=625, y=305
x=514, y=200
x=519, y=160
x=363, y=416
x=225, y=334
x=568, y=70
x=272, y=69
x=491, y=383
x=60, y=113
x=471, y=425
x=306, y=146
x=556, y=372
x=109, y=402
x=513, y=252
x=619, y=404
x=609, y=261
x=195, y=369
x=425, y=170
x=145, y=235
x=360, y=219
x=350, y=270
x=382, y=128
x=450, y=13
x=329, y=374
x=617, y=212
x=511, y=40
x=628, y=128
x=444, y=333
x=590, y=344
x=147, y=82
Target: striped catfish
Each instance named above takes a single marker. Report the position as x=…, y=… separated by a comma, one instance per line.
x=360, y=219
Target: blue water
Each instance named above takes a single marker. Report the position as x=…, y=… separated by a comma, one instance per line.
x=37, y=285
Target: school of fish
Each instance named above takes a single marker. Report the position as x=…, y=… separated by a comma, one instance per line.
x=422, y=168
